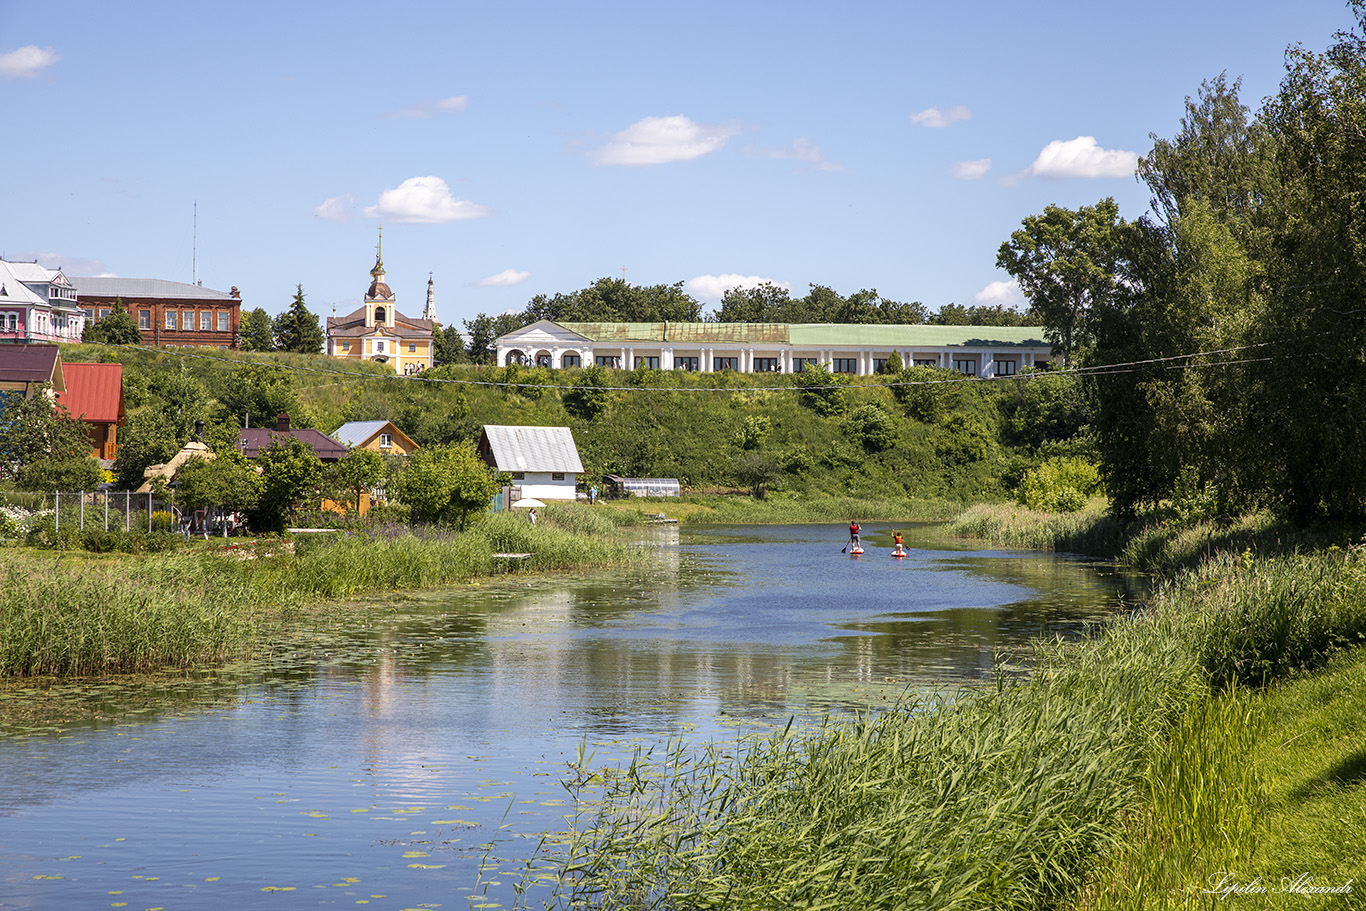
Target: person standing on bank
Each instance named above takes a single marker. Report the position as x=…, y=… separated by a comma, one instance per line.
x=531, y=516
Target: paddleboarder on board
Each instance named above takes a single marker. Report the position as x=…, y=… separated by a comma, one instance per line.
x=853, y=534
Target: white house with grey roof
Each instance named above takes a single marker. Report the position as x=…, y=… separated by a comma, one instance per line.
x=542, y=461
x=37, y=304
x=862, y=349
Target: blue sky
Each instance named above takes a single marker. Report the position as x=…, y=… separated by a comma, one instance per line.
x=517, y=149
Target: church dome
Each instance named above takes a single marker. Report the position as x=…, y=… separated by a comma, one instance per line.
x=379, y=290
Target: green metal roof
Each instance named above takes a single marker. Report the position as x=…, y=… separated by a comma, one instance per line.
x=816, y=335
x=682, y=333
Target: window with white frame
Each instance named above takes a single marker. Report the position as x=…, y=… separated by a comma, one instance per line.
x=187, y=321
x=170, y=319
x=386, y=440
x=205, y=321
x=223, y=322
x=144, y=319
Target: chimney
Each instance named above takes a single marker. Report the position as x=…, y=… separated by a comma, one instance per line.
x=282, y=423
x=236, y=295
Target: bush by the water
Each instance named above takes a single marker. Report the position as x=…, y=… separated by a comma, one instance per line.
x=1061, y=484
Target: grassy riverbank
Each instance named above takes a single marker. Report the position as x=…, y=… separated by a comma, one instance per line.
x=73, y=614
x=729, y=509
x=1122, y=774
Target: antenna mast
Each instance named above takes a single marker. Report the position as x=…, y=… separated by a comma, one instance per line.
x=194, y=247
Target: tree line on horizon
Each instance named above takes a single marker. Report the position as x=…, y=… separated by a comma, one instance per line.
x=614, y=300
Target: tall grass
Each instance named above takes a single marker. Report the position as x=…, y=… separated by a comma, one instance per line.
x=73, y=616
x=1089, y=531
x=99, y=619
x=737, y=510
x=1201, y=806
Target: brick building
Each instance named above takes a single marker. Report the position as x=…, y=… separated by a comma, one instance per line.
x=166, y=312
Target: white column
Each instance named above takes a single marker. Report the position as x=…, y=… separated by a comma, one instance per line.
x=622, y=362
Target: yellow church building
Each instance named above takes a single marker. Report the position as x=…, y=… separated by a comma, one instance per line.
x=378, y=332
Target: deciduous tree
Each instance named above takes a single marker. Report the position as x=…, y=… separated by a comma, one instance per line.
x=1067, y=264
x=116, y=328
x=446, y=484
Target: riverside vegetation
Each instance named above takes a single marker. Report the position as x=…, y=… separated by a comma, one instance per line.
x=82, y=616
x=1124, y=772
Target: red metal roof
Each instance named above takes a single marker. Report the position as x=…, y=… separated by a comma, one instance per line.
x=94, y=390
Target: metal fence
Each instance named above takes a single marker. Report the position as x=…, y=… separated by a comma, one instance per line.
x=108, y=509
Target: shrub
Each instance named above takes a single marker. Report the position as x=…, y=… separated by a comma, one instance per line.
x=872, y=428
x=1059, y=485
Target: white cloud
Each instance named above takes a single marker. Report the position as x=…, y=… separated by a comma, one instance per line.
x=70, y=265
x=428, y=107
x=971, y=170
x=504, y=279
x=804, y=149
x=26, y=62
x=1006, y=294
x=934, y=117
x=714, y=287
x=424, y=200
x=1081, y=157
x=337, y=208
x=660, y=140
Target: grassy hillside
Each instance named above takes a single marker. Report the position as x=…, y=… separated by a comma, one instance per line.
x=958, y=441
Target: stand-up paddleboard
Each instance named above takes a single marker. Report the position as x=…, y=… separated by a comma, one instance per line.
x=898, y=553
x=856, y=549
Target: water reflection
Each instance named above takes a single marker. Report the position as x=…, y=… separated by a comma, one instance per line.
x=379, y=750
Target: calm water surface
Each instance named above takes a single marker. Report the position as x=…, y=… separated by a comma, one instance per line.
x=373, y=758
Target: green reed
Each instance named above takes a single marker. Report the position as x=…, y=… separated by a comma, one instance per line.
x=1089, y=531
x=59, y=618
x=78, y=616
x=730, y=510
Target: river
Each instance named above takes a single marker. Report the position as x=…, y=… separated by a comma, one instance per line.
x=408, y=751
